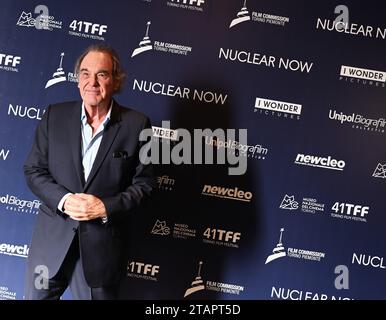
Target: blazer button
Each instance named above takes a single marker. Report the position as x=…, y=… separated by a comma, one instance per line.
x=74, y=229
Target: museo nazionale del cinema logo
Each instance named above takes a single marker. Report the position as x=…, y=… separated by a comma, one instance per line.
x=162, y=46
x=243, y=15
x=41, y=20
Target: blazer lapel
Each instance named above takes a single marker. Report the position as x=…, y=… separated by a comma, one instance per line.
x=75, y=141
x=109, y=135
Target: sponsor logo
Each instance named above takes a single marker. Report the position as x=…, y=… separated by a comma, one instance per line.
x=368, y=260
x=350, y=211
x=4, y=153
x=14, y=250
x=165, y=183
x=354, y=29
x=141, y=270
x=380, y=171
x=180, y=230
x=263, y=17
x=279, y=252
x=289, y=203
x=277, y=108
x=227, y=193
x=160, y=228
x=255, y=152
x=194, y=5
x=270, y=18
x=165, y=133
x=170, y=90
x=25, y=112
x=44, y=21
x=362, y=76
x=9, y=62
x=199, y=285
x=60, y=76
x=13, y=203
x=87, y=30
x=221, y=237
x=296, y=294
x=6, y=294
x=320, y=162
x=309, y=205
x=264, y=60
x=359, y=121
x=162, y=46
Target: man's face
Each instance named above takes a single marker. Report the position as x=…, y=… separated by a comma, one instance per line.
x=96, y=83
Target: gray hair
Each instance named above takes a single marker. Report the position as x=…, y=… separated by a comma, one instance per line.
x=118, y=73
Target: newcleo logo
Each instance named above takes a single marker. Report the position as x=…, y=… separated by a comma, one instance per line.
x=14, y=250
x=320, y=162
x=227, y=193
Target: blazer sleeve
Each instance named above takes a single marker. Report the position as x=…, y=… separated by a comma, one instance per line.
x=143, y=183
x=36, y=168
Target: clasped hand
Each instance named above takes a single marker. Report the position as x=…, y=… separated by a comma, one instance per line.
x=83, y=207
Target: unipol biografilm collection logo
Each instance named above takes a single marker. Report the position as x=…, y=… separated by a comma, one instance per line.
x=60, y=76
x=280, y=252
x=9, y=62
x=243, y=16
x=198, y=285
x=162, y=46
x=14, y=204
x=358, y=121
x=194, y=5
x=43, y=20
x=362, y=76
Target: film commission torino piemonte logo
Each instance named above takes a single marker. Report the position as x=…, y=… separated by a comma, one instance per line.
x=146, y=45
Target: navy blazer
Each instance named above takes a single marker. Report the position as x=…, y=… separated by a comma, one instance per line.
x=54, y=168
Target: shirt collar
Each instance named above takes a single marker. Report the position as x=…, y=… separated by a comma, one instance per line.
x=83, y=116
